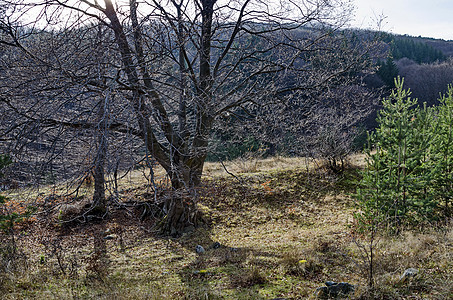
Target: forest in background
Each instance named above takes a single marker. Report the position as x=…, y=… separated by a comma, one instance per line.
x=425, y=64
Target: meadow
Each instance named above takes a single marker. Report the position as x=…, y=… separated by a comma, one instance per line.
x=279, y=228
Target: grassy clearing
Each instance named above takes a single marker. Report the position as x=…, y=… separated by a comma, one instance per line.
x=284, y=227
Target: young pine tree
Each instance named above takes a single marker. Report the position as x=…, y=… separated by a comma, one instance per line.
x=442, y=152
x=395, y=186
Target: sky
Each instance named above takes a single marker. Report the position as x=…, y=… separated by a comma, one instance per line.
x=428, y=18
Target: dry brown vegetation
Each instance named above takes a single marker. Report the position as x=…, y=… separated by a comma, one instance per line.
x=284, y=228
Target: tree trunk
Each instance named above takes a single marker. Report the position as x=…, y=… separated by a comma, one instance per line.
x=181, y=210
x=182, y=213
x=99, y=201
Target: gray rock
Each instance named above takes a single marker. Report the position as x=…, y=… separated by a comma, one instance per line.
x=334, y=289
x=408, y=274
x=199, y=249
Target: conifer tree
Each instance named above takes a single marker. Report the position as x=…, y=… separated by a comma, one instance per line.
x=388, y=71
x=397, y=185
x=442, y=152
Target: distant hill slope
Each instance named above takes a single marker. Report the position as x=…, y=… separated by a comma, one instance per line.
x=446, y=47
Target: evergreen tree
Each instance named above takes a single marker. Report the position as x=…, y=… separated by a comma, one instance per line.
x=387, y=71
x=397, y=186
x=442, y=152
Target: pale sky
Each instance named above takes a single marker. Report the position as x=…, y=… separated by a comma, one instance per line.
x=428, y=18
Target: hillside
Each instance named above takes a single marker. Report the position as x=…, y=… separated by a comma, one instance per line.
x=446, y=47
x=280, y=228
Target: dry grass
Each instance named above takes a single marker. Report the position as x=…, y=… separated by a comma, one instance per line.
x=283, y=232
x=255, y=165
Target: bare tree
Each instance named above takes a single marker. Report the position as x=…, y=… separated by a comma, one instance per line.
x=174, y=67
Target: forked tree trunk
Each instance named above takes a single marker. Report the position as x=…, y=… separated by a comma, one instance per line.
x=184, y=163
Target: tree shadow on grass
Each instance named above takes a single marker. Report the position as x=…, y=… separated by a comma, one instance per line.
x=225, y=270
x=276, y=189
